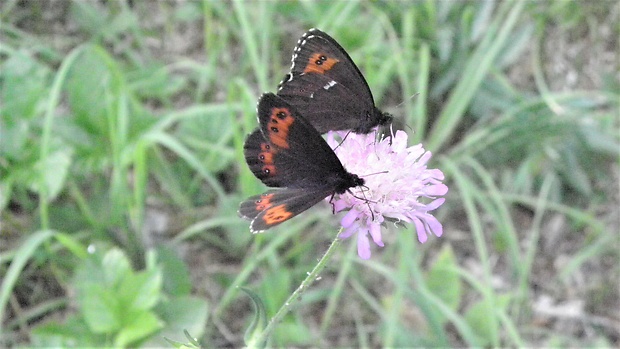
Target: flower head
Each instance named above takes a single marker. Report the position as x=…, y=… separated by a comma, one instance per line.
x=398, y=187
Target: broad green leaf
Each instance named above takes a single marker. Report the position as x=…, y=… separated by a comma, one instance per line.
x=140, y=291
x=89, y=79
x=101, y=308
x=73, y=331
x=143, y=324
x=51, y=172
x=184, y=313
x=115, y=266
x=24, y=81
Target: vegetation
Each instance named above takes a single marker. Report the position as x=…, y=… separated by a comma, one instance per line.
x=121, y=170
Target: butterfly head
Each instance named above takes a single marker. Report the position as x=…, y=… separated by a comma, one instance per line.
x=347, y=181
x=372, y=119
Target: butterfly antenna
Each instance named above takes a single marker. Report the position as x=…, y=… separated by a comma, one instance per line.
x=375, y=173
x=411, y=97
x=342, y=141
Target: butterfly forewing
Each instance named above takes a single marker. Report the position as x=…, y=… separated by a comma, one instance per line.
x=299, y=156
x=319, y=53
x=328, y=88
x=331, y=105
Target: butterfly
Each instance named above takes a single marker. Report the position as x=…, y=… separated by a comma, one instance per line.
x=287, y=152
x=328, y=88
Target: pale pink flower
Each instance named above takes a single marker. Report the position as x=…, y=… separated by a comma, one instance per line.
x=398, y=187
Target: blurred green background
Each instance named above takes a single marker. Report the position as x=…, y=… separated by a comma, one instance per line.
x=121, y=168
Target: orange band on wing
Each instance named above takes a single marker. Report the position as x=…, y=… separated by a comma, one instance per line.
x=277, y=214
x=320, y=63
x=278, y=127
x=263, y=202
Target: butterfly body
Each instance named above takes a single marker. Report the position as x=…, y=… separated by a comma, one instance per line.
x=287, y=152
x=326, y=86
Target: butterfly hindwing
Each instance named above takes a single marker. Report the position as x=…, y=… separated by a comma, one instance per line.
x=276, y=206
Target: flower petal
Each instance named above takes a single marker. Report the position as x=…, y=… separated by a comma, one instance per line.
x=434, y=225
x=420, y=230
x=363, y=246
x=349, y=231
x=437, y=189
x=339, y=205
x=375, y=233
x=349, y=218
x=434, y=204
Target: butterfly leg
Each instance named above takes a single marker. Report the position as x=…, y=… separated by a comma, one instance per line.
x=372, y=214
x=331, y=203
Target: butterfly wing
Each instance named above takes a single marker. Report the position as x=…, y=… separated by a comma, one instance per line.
x=286, y=151
x=319, y=53
x=326, y=104
x=276, y=206
x=324, y=79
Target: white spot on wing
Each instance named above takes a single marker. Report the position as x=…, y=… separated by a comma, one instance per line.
x=330, y=85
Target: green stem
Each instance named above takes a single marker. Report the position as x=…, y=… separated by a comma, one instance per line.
x=296, y=296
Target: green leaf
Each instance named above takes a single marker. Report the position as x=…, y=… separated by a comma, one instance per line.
x=140, y=291
x=143, y=324
x=115, y=266
x=192, y=344
x=88, y=16
x=478, y=316
x=23, y=84
x=89, y=79
x=175, y=273
x=122, y=22
x=293, y=333
x=259, y=322
x=155, y=81
x=184, y=313
x=101, y=308
x=70, y=243
x=73, y=331
x=442, y=279
x=51, y=172
x=277, y=285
